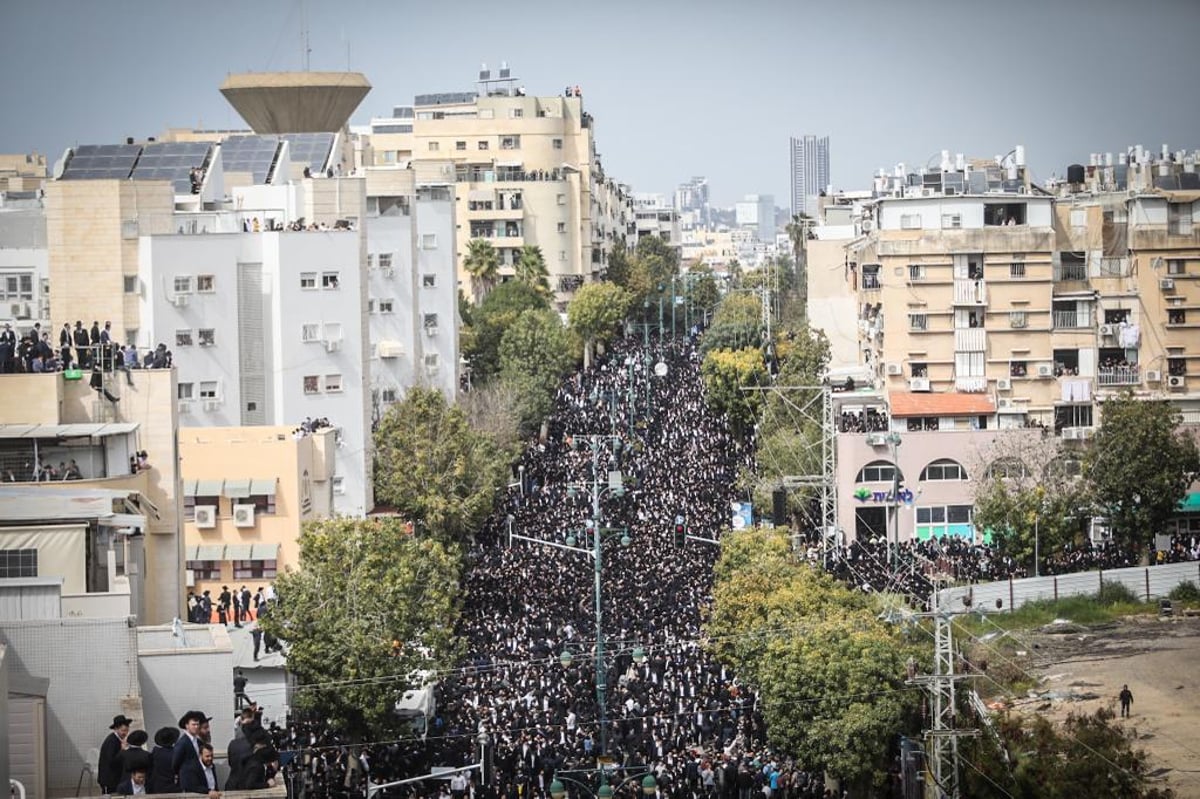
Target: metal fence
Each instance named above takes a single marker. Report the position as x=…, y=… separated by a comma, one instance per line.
x=1146, y=582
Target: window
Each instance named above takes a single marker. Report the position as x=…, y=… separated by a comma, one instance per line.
x=951, y=220
x=1017, y=319
x=516, y=113
x=333, y=331
x=308, y=280
x=1177, y=367
x=919, y=369
x=253, y=569
x=918, y=321
x=1179, y=219
x=183, y=284
x=1016, y=269
x=561, y=199
x=918, y=423
x=205, y=569
x=312, y=384
x=1176, y=267
x=183, y=391
x=131, y=284
x=1008, y=469
x=916, y=272
x=510, y=142
x=430, y=320
x=428, y=241
x=333, y=384
x=431, y=360
x=206, y=284
x=209, y=389
x=562, y=255
x=385, y=260
x=878, y=472
x=388, y=395
x=370, y=305
x=429, y=281
x=870, y=276
x=386, y=306
x=310, y=332
x=482, y=144
x=1003, y=214
x=433, y=146
x=944, y=469
x=329, y=280
x=1176, y=316
x=339, y=484
x=1115, y=316
x=207, y=336
x=183, y=338
x=556, y=144
x=937, y=521
x=562, y=227
x=20, y=287
x=910, y=221
x=18, y=563
x=460, y=145
x=1018, y=368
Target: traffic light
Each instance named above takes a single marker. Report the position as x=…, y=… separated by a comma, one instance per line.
x=680, y=532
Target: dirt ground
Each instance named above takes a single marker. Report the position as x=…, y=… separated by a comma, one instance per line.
x=1083, y=669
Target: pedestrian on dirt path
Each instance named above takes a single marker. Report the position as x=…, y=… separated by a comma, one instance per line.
x=1126, y=697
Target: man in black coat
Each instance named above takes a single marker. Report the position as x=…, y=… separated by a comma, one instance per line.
x=136, y=783
x=187, y=748
x=162, y=773
x=108, y=773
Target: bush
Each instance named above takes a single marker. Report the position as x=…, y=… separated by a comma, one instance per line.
x=1187, y=591
x=1112, y=593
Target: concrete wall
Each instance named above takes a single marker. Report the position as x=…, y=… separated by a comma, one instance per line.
x=207, y=662
x=93, y=674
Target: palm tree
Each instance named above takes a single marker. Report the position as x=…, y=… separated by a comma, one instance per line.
x=482, y=263
x=530, y=268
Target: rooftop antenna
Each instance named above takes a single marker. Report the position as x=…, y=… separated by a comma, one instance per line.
x=306, y=49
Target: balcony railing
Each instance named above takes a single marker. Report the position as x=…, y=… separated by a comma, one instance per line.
x=870, y=281
x=1120, y=376
x=1067, y=320
x=969, y=292
x=1065, y=273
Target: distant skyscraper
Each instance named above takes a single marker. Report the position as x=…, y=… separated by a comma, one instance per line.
x=810, y=172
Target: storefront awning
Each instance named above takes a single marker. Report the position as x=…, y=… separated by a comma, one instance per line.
x=262, y=486
x=1190, y=503
x=239, y=552
x=237, y=489
x=210, y=552
x=190, y=553
x=264, y=551
x=209, y=488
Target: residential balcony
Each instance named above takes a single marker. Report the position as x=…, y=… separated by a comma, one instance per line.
x=1070, y=273
x=970, y=339
x=1119, y=376
x=1071, y=320
x=970, y=292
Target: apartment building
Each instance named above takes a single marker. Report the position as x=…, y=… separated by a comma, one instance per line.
x=24, y=260
x=247, y=491
x=986, y=303
x=524, y=170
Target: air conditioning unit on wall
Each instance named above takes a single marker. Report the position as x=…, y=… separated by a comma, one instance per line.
x=243, y=515
x=206, y=516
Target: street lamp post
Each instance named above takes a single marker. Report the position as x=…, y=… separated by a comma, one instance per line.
x=893, y=440
x=674, y=302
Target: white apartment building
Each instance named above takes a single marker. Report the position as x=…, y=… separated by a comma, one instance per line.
x=24, y=261
x=757, y=212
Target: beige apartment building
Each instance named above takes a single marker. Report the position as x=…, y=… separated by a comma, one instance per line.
x=22, y=172
x=105, y=543
x=525, y=171
x=984, y=303
x=246, y=493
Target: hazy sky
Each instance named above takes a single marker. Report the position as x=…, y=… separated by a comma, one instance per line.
x=676, y=88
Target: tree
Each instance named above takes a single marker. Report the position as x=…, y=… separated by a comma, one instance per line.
x=492, y=409
x=737, y=323
x=701, y=293
x=1029, y=497
x=595, y=312
x=434, y=469
x=1088, y=756
x=499, y=309
x=829, y=673
x=482, y=263
x=536, y=352
x=726, y=373
x=1139, y=466
x=530, y=268
x=370, y=605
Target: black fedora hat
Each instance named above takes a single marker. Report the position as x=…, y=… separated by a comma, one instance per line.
x=120, y=720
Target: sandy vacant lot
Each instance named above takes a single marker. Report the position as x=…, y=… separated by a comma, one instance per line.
x=1084, y=668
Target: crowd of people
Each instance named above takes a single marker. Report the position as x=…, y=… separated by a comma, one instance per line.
x=669, y=709
x=79, y=348
x=871, y=421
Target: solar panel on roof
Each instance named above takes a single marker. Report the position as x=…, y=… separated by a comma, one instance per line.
x=1166, y=182
x=101, y=161
x=310, y=149
x=253, y=154
x=1189, y=180
x=173, y=161
x=978, y=182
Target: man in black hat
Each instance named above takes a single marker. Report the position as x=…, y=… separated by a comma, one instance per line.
x=162, y=776
x=187, y=748
x=108, y=773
